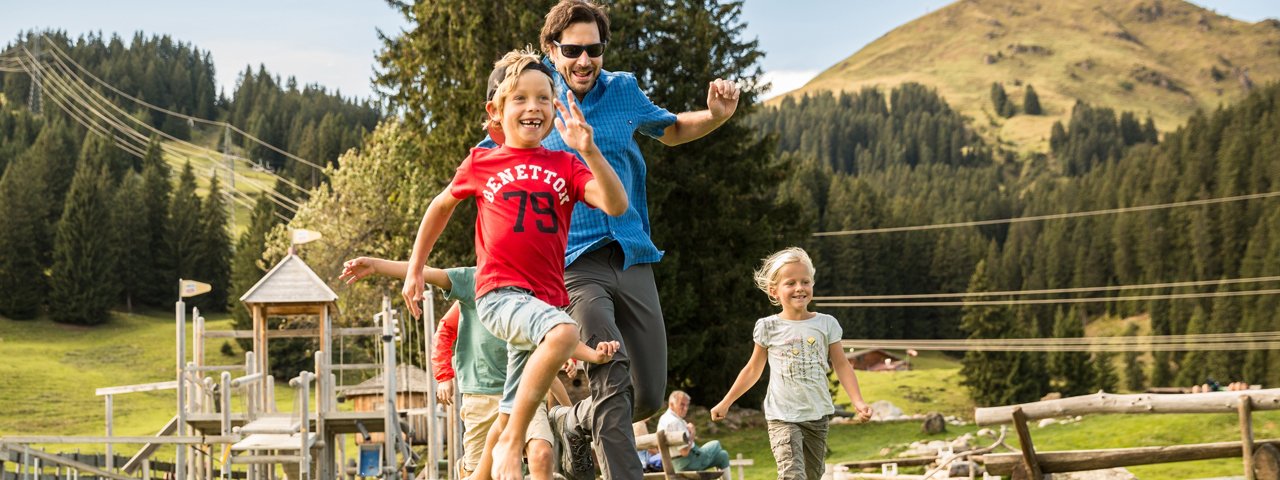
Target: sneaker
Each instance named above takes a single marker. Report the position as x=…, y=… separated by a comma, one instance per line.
x=577, y=461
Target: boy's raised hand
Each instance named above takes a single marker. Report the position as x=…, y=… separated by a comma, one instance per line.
x=573, y=127
x=355, y=269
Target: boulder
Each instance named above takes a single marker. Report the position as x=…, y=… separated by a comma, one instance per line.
x=934, y=424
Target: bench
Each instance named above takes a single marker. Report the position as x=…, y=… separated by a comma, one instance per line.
x=669, y=442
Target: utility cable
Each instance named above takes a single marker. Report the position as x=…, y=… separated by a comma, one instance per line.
x=1057, y=216
x=1195, y=283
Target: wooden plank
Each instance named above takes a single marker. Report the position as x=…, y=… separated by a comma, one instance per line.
x=142, y=387
x=676, y=441
x=150, y=448
x=1102, y=402
x=1029, y=461
x=1082, y=460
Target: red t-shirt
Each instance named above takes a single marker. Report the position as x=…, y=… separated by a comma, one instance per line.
x=524, y=200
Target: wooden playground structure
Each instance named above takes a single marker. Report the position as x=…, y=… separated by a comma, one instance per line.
x=216, y=437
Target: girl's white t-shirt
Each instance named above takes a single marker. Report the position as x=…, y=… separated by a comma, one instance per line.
x=798, y=366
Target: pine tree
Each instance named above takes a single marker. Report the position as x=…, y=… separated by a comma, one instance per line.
x=83, y=283
x=1072, y=369
x=103, y=151
x=183, y=232
x=24, y=203
x=158, y=282
x=1031, y=102
x=1193, y=370
x=132, y=236
x=1134, y=378
x=1000, y=101
x=56, y=149
x=214, y=264
x=993, y=378
x=1104, y=372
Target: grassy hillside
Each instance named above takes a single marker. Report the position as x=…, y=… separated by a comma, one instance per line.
x=1163, y=58
x=50, y=371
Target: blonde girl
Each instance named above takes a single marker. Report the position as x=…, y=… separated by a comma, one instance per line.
x=799, y=347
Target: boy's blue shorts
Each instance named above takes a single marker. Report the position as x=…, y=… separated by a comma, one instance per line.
x=522, y=320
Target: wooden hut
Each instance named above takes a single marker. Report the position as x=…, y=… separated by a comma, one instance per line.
x=413, y=385
x=875, y=359
x=290, y=288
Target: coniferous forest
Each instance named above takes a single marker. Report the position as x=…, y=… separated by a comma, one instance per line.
x=86, y=228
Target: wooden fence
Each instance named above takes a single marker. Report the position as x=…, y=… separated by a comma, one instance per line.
x=12, y=468
x=1260, y=456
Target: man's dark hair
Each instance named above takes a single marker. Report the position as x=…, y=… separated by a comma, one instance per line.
x=569, y=12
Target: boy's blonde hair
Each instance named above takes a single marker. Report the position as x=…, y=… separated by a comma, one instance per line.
x=767, y=275
x=506, y=71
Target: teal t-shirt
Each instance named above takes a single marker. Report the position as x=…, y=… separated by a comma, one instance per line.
x=479, y=358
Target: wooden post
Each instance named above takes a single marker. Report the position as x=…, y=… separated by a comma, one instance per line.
x=111, y=464
x=260, y=349
x=667, y=468
x=1246, y=435
x=1029, y=461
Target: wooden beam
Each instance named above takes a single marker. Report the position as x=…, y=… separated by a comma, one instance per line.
x=1102, y=402
x=1081, y=460
x=1029, y=461
x=146, y=451
x=1246, y=436
x=142, y=387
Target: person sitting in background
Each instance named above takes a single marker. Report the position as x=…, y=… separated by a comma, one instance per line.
x=693, y=457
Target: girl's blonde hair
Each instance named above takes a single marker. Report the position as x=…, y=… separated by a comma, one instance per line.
x=767, y=275
x=506, y=72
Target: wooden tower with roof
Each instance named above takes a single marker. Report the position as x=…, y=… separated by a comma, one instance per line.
x=290, y=288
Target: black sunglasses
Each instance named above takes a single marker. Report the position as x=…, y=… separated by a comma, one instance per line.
x=574, y=51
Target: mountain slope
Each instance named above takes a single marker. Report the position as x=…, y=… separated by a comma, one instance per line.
x=1163, y=58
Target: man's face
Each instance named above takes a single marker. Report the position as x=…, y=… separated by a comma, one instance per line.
x=680, y=406
x=579, y=73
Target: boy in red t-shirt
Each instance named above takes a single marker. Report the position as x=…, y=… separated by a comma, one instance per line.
x=525, y=196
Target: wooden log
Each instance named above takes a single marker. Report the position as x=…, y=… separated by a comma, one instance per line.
x=1081, y=460
x=1266, y=462
x=1102, y=402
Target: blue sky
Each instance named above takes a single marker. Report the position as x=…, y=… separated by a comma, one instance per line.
x=333, y=42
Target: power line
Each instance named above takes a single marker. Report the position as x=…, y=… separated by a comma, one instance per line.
x=191, y=149
x=1161, y=343
x=252, y=138
x=1047, y=301
x=64, y=94
x=1195, y=283
x=91, y=93
x=1058, y=216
